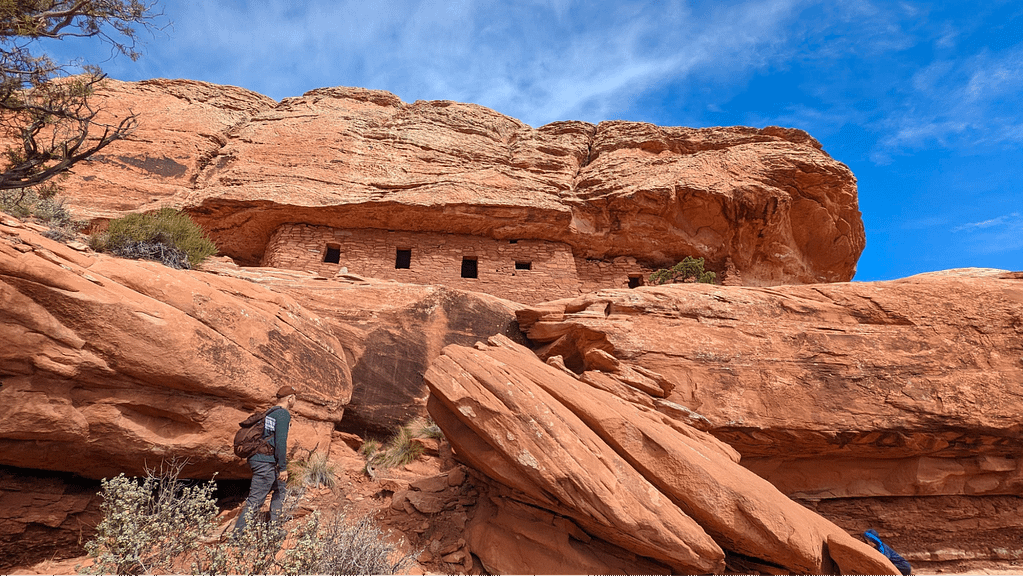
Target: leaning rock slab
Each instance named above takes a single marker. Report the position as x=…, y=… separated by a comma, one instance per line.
x=533, y=428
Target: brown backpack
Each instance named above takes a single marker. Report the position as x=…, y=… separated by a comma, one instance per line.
x=249, y=439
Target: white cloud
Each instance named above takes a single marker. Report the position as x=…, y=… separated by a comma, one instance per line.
x=966, y=102
x=1012, y=220
x=993, y=236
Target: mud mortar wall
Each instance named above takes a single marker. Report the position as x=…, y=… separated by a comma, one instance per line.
x=526, y=271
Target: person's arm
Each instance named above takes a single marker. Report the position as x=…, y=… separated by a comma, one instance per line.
x=283, y=418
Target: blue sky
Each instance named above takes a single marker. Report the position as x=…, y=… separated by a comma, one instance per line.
x=922, y=100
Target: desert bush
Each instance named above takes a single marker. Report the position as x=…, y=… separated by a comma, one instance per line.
x=167, y=236
x=45, y=204
x=688, y=270
x=312, y=546
x=149, y=523
x=316, y=470
x=426, y=428
x=370, y=447
x=358, y=547
x=161, y=524
x=398, y=450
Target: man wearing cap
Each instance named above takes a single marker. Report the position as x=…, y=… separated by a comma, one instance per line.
x=270, y=471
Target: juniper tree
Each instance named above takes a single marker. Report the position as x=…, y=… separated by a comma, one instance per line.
x=47, y=118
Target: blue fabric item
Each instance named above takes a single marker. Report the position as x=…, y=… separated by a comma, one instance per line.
x=264, y=480
x=899, y=562
x=275, y=431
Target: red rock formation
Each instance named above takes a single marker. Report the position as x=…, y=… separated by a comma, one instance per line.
x=876, y=402
x=769, y=200
x=625, y=473
x=44, y=516
x=110, y=365
x=390, y=332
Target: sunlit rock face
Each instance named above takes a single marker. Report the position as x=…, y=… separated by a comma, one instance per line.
x=111, y=365
x=767, y=206
x=624, y=478
x=890, y=405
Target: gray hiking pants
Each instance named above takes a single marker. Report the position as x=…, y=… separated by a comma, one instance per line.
x=264, y=479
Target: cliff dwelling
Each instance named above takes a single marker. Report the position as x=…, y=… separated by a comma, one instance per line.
x=524, y=270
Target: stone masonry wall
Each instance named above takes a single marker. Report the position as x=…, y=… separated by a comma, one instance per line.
x=553, y=271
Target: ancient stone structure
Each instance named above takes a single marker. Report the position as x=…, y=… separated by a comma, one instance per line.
x=525, y=271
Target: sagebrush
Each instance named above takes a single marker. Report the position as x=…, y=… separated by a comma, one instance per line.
x=167, y=235
x=150, y=523
x=160, y=524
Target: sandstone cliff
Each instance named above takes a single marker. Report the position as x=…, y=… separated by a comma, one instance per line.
x=768, y=205
x=892, y=405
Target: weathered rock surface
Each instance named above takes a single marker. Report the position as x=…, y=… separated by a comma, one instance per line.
x=44, y=516
x=767, y=204
x=109, y=365
x=389, y=331
x=844, y=393
x=622, y=472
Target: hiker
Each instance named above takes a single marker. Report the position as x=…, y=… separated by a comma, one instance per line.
x=270, y=471
x=874, y=540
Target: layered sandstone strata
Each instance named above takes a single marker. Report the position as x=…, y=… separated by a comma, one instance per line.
x=611, y=470
x=885, y=404
x=766, y=204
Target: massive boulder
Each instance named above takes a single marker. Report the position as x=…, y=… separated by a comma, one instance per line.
x=766, y=205
x=620, y=472
x=111, y=365
x=885, y=404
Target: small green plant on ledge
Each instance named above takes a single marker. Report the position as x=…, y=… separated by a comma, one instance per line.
x=167, y=235
x=688, y=270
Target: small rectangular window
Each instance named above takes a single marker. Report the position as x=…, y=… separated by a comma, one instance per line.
x=513, y=241
x=523, y=265
x=333, y=254
x=403, y=258
x=469, y=268
x=635, y=281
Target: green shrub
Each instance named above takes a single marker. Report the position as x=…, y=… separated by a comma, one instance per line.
x=688, y=270
x=167, y=236
x=316, y=470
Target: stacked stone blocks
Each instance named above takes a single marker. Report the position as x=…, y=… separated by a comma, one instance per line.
x=523, y=270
